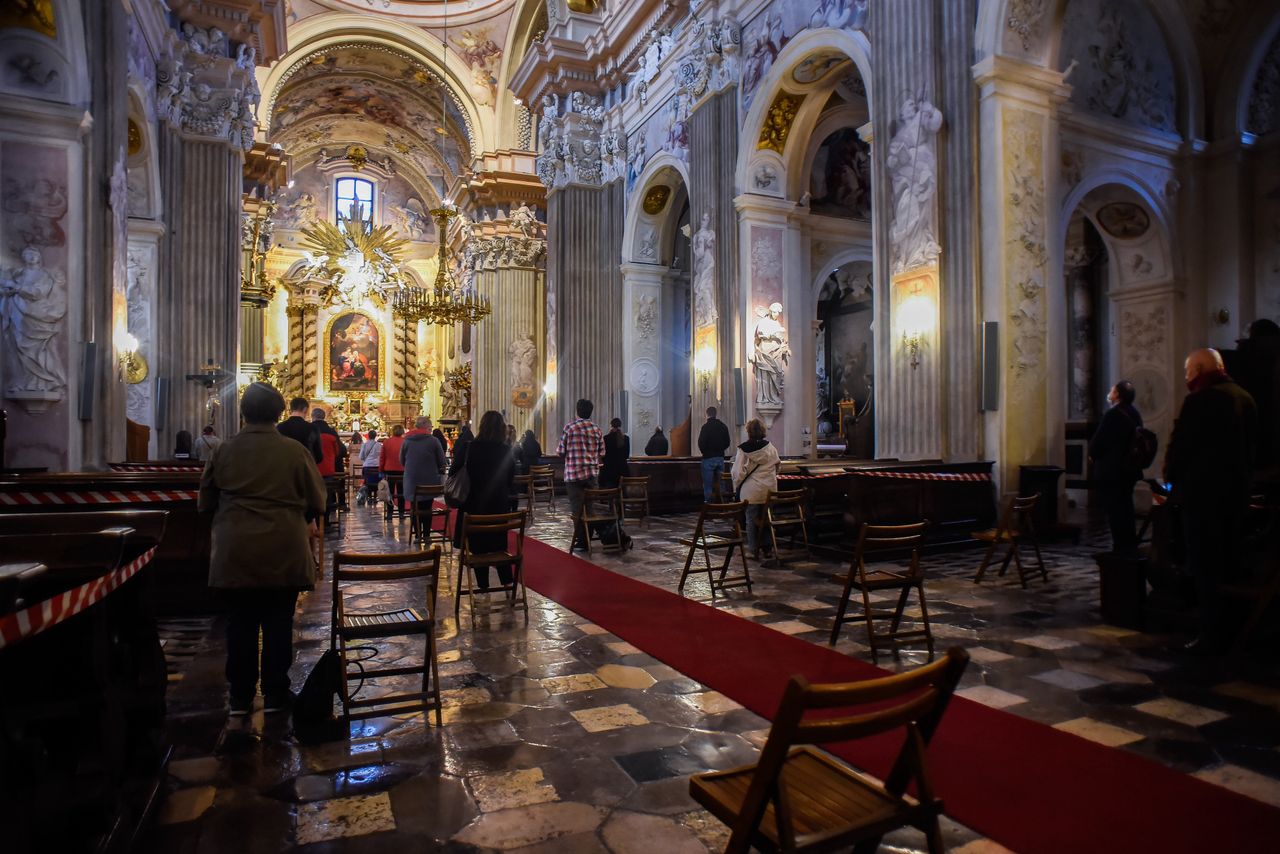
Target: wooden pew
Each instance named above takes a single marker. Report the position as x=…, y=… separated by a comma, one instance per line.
x=82, y=707
x=181, y=562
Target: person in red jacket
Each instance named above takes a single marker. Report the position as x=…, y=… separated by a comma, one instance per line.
x=331, y=447
x=389, y=462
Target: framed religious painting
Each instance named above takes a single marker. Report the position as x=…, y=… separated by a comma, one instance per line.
x=353, y=354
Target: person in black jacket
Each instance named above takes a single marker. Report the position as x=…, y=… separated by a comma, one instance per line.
x=492, y=470
x=713, y=442
x=658, y=445
x=1209, y=467
x=298, y=428
x=617, y=450
x=530, y=450
x=1113, y=472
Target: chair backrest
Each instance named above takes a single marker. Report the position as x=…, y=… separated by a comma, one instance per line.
x=634, y=487
x=400, y=566
x=1024, y=503
x=881, y=538
x=787, y=504
x=434, y=490
x=611, y=498
x=914, y=700
x=495, y=523
x=735, y=512
x=541, y=471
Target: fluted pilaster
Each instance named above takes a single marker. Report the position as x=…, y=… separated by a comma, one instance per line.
x=518, y=297
x=201, y=291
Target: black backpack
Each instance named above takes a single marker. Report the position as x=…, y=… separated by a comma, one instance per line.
x=313, y=718
x=1142, y=446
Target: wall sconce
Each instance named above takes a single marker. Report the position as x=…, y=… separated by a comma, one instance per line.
x=704, y=362
x=915, y=319
x=133, y=367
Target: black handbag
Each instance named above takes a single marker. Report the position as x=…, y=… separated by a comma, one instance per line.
x=457, y=488
x=313, y=718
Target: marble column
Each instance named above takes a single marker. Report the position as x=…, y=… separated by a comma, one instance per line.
x=507, y=272
x=200, y=299
x=584, y=243
x=1018, y=114
x=713, y=149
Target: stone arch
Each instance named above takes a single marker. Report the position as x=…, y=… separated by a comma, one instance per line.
x=657, y=333
x=1250, y=50
x=528, y=16
x=807, y=348
x=806, y=44
x=1031, y=31
x=143, y=163
x=422, y=46
x=1141, y=297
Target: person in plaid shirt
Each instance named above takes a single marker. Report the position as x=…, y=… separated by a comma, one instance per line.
x=581, y=446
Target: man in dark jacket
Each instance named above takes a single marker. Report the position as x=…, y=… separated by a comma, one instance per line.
x=713, y=442
x=1209, y=466
x=1113, y=472
x=297, y=427
x=658, y=445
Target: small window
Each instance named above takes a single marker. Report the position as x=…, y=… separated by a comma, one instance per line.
x=355, y=197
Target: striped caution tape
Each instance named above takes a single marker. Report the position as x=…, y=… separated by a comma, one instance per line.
x=90, y=497
x=40, y=617
x=968, y=476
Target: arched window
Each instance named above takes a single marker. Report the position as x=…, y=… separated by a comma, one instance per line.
x=354, y=194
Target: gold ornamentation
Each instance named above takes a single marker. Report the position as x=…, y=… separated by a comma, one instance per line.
x=30, y=14
x=356, y=261
x=777, y=123
x=656, y=199
x=358, y=155
x=445, y=303
x=584, y=6
x=327, y=343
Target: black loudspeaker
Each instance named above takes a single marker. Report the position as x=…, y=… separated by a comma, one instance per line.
x=740, y=395
x=88, y=379
x=623, y=398
x=162, y=402
x=990, y=366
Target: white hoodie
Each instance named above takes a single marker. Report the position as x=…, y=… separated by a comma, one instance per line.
x=755, y=470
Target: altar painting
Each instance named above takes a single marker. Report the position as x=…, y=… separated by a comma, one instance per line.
x=353, y=354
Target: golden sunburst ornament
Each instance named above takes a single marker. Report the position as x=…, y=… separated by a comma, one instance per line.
x=358, y=262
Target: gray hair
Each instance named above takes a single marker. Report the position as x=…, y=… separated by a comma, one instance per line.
x=422, y=422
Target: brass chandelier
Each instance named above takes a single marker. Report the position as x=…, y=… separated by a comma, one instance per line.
x=445, y=303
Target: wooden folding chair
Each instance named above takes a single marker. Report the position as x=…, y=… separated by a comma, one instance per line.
x=881, y=538
x=349, y=626
x=799, y=798
x=503, y=524
x=602, y=510
x=427, y=506
x=1016, y=526
x=1258, y=595
x=732, y=518
x=635, y=499
x=724, y=493
x=785, y=512
x=544, y=485
x=524, y=493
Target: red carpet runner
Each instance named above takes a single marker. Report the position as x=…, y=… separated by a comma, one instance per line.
x=1024, y=784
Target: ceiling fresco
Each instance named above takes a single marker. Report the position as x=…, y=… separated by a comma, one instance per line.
x=369, y=94
x=423, y=12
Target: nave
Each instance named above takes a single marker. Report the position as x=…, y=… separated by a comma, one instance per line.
x=560, y=736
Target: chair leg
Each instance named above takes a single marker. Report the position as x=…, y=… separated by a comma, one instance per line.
x=986, y=560
x=1008, y=556
x=933, y=836
x=868, y=846
x=1017, y=560
x=924, y=616
x=840, y=611
x=897, y=611
x=746, y=573
x=1035, y=545
x=684, y=576
x=871, y=631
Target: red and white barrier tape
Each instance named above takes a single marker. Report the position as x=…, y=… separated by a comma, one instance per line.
x=967, y=476
x=812, y=476
x=179, y=467
x=105, y=496
x=28, y=622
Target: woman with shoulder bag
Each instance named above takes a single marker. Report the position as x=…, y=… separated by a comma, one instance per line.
x=490, y=467
x=755, y=475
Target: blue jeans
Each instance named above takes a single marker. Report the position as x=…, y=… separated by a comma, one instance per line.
x=712, y=467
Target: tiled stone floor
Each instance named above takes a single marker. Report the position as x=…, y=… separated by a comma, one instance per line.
x=561, y=737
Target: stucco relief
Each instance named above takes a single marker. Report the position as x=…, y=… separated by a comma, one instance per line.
x=1026, y=255
x=644, y=377
x=1123, y=68
x=1142, y=333
x=1025, y=21
x=33, y=304
x=704, y=274
x=646, y=315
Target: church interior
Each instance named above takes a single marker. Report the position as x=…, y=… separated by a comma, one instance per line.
x=870, y=409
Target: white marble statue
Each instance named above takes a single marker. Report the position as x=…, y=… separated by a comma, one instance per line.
x=704, y=274
x=769, y=356
x=913, y=165
x=523, y=352
x=33, y=302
